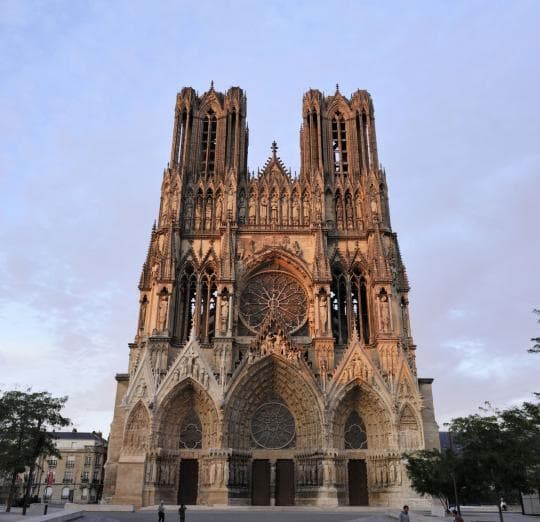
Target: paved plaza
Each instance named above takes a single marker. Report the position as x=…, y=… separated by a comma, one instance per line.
x=275, y=514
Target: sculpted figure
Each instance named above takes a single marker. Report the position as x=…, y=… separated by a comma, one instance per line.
x=162, y=313
x=252, y=210
x=264, y=209
x=274, y=209
x=219, y=211
x=323, y=314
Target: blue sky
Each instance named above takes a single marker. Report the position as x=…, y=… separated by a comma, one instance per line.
x=87, y=93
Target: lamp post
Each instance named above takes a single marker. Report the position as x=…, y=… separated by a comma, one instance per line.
x=456, y=499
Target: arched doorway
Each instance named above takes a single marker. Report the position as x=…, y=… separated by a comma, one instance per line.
x=361, y=429
x=187, y=425
x=273, y=422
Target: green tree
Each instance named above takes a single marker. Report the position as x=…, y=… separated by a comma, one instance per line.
x=432, y=472
x=501, y=451
x=26, y=421
x=536, y=340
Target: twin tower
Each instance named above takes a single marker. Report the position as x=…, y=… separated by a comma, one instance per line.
x=273, y=362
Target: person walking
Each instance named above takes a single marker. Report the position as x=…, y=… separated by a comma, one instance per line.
x=161, y=511
x=182, y=512
x=457, y=516
x=404, y=515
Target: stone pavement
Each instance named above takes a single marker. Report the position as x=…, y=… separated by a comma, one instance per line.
x=275, y=514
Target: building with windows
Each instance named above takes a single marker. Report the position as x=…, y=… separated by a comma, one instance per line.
x=273, y=360
x=77, y=476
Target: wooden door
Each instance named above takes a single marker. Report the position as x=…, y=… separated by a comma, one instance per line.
x=260, y=483
x=284, y=483
x=189, y=481
x=358, y=490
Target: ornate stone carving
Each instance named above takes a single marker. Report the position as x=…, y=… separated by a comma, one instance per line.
x=272, y=426
x=273, y=294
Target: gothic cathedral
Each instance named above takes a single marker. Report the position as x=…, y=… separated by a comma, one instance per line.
x=273, y=362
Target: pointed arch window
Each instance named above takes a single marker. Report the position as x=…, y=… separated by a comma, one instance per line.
x=349, y=305
x=338, y=299
x=187, y=294
x=339, y=145
x=208, y=144
x=355, y=432
x=231, y=137
x=208, y=289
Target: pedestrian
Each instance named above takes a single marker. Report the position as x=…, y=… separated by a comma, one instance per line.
x=457, y=516
x=182, y=512
x=161, y=511
x=504, y=507
x=404, y=515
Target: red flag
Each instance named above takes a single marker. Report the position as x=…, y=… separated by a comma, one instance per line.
x=50, y=478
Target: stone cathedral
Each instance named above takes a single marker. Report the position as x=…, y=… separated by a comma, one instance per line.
x=273, y=361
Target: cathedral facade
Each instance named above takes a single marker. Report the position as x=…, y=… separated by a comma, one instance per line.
x=273, y=361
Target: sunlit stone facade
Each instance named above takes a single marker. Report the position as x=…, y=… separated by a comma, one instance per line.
x=273, y=361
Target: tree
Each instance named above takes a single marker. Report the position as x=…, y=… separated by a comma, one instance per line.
x=26, y=421
x=497, y=455
x=501, y=450
x=536, y=340
x=431, y=473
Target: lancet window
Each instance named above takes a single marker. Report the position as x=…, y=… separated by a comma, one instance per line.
x=231, y=137
x=339, y=145
x=187, y=293
x=208, y=298
x=196, y=304
x=349, y=305
x=185, y=121
x=208, y=144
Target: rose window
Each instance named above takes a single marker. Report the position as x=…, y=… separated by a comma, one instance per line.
x=273, y=293
x=272, y=426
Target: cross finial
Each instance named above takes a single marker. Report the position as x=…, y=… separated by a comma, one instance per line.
x=211, y=85
x=337, y=87
x=274, y=148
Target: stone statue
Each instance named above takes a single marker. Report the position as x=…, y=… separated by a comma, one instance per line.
x=274, y=209
x=162, y=313
x=384, y=312
x=219, y=211
x=224, y=314
x=252, y=210
x=208, y=215
x=142, y=315
x=323, y=314
x=264, y=209
x=306, y=212
x=296, y=211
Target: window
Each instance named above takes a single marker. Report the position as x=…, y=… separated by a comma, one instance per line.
x=65, y=493
x=191, y=434
x=96, y=477
x=52, y=462
x=88, y=460
x=355, y=432
x=68, y=477
x=70, y=462
x=339, y=145
x=98, y=460
x=208, y=145
x=85, y=476
x=84, y=494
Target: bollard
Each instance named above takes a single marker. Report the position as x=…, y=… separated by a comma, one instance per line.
x=45, y=509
